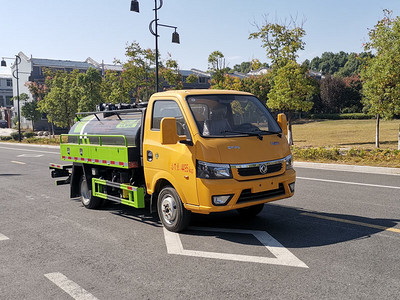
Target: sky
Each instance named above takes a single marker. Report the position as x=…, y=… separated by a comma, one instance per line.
x=101, y=29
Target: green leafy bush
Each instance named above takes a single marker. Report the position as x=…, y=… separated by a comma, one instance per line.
x=352, y=116
x=14, y=136
x=388, y=158
x=29, y=134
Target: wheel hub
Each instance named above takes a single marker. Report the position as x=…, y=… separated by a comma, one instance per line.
x=168, y=208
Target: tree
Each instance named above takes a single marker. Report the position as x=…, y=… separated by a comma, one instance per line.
x=244, y=67
x=333, y=94
x=281, y=41
x=216, y=64
x=88, y=90
x=31, y=112
x=228, y=82
x=381, y=76
x=38, y=90
x=112, y=88
x=61, y=102
x=192, y=78
x=138, y=72
x=171, y=74
x=291, y=91
x=258, y=85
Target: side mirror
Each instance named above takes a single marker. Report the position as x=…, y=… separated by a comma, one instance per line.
x=282, y=121
x=168, y=131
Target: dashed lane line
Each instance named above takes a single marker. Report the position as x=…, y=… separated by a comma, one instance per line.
x=70, y=287
x=3, y=237
x=351, y=222
x=18, y=162
x=351, y=183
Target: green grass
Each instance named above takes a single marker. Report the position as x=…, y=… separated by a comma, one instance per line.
x=358, y=134
x=346, y=141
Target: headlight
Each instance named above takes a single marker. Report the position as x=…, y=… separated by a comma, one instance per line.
x=212, y=171
x=289, y=162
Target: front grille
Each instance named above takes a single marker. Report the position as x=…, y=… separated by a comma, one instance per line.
x=253, y=171
x=247, y=195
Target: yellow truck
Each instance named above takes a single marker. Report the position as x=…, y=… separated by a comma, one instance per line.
x=187, y=151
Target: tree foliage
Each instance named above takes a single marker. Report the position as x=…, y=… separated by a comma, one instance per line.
x=113, y=89
x=339, y=64
x=258, y=85
x=281, y=41
x=381, y=76
x=138, y=72
x=30, y=111
x=88, y=90
x=291, y=91
x=61, y=102
x=172, y=75
x=227, y=82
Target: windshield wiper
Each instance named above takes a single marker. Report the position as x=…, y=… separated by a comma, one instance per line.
x=258, y=133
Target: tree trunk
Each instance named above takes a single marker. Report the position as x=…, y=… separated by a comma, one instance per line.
x=398, y=144
x=290, y=134
x=377, y=131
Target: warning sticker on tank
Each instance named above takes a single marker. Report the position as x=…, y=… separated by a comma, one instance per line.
x=128, y=124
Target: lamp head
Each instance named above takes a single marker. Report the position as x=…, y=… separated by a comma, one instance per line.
x=175, y=37
x=3, y=63
x=135, y=6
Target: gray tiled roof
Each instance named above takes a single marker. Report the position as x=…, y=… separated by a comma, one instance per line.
x=60, y=63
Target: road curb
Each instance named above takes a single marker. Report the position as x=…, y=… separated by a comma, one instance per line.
x=348, y=168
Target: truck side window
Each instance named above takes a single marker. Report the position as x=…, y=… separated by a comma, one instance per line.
x=168, y=108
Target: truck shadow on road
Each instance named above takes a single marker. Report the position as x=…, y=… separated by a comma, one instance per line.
x=142, y=215
x=296, y=227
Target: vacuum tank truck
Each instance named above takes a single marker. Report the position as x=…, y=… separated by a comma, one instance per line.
x=187, y=151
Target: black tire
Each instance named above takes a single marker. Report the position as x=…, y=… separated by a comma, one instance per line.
x=251, y=211
x=87, y=199
x=173, y=215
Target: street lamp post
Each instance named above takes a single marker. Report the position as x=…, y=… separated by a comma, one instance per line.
x=175, y=35
x=15, y=74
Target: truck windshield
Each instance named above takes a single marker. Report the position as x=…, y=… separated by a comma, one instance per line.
x=231, y=115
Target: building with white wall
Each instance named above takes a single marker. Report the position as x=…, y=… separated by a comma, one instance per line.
x=6, y=93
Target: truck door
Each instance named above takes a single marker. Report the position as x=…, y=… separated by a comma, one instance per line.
x=173, y=162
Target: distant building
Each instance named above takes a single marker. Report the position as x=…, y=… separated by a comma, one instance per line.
x=315, y=74
x=6, y=93
x=203, y=79
x=31, y=69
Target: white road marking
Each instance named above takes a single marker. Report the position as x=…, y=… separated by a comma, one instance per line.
x=351, y=183
x=30, y=155
x=3, y=237
x=282, y=255
x=70, y=287
x=29, y=150
x=18, y=162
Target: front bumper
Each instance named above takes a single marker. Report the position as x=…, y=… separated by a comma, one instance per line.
x=245, y=193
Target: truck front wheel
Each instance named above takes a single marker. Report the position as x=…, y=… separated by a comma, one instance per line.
x=87, y=199
x=173, y=215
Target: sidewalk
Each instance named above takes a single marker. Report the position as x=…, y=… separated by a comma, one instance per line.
x=348, y=168
x=6, y=131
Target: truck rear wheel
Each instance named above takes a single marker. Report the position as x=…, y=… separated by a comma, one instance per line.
x=251, y=211
x=87, y=199
x=173, y=215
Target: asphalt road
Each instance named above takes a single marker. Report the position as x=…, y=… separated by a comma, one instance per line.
x=337, y=238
